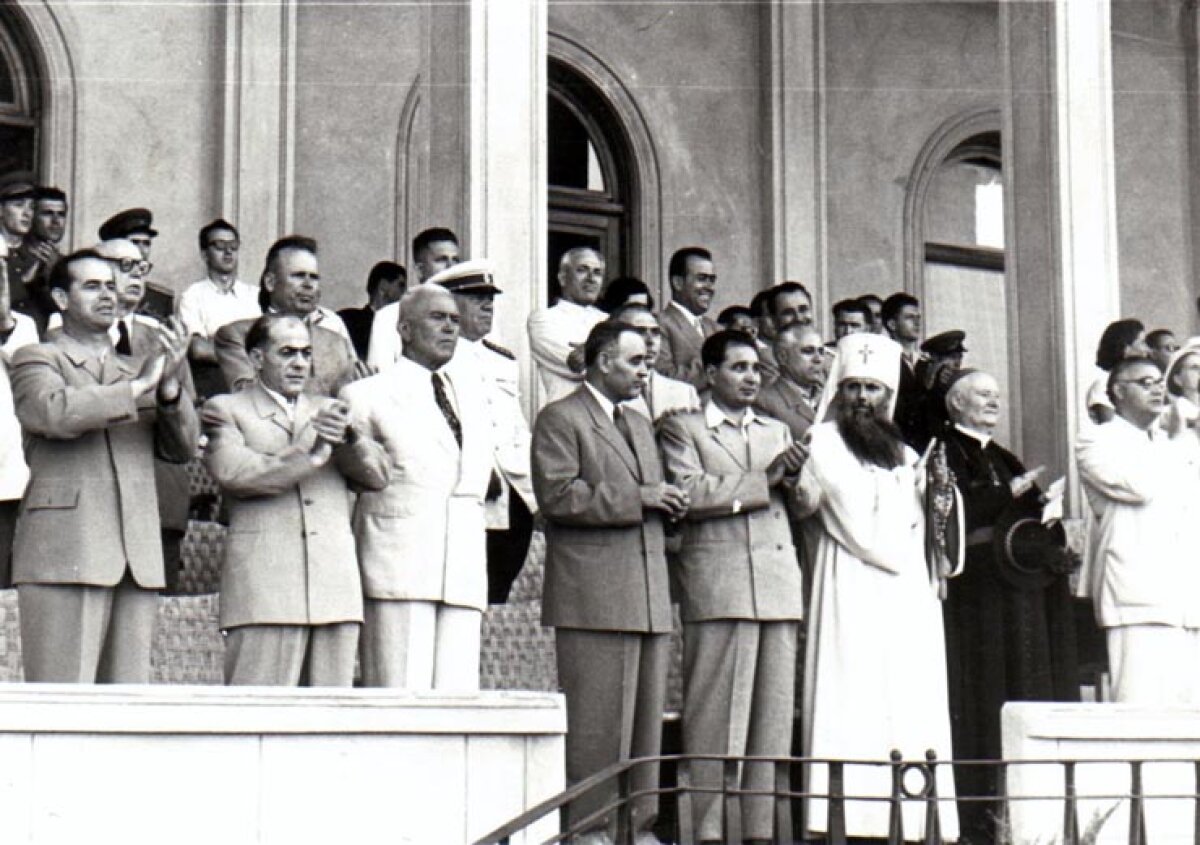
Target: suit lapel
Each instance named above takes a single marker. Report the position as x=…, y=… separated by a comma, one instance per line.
x=729, y=439
x=268, y=408
x=82, y=357
x=607, y=430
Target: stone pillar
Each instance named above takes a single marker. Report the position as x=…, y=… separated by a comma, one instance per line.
x=794, y=137
x=259, y=122
x=506, y=182
x=1060, y=210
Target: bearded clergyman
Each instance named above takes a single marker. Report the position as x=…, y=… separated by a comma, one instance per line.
x=875, y=667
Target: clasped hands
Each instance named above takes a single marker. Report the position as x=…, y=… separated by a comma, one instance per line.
x=160, y=369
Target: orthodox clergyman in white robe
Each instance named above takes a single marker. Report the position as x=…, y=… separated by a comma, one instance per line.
x=875, y=668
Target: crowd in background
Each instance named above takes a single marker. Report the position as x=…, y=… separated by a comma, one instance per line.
x=831, y=517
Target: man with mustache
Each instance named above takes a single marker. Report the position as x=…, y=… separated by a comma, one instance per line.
x=875, y=666
x=557, y=333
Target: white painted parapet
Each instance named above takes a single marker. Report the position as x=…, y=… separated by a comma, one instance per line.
x=155, y=764
x=1094, y=732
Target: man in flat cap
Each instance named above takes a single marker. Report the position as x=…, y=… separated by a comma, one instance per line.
x=87, y=560
x=18, y=192
x=510, y=503
x=217, y=300
x=1010, y=628
x=434, y=250
x=291, y=280
x=866, y=689
x=386, y=283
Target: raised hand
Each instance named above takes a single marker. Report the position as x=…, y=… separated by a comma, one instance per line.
x=575, y=359
x=1022, y=484
x=149, y=375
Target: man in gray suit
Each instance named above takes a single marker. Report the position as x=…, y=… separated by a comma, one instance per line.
x=598, y=479
x=684, y=324
x=87, y=560
x=741, y=598
x=793, y=397
x=291, y=597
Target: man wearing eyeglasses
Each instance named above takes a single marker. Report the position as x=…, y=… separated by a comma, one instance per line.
x=218, y=299
x=1142, y=483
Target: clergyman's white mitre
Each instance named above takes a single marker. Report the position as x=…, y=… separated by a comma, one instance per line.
x=865, y=356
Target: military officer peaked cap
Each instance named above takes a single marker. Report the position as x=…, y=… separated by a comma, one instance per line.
x=17, y=185
x=946, y=343
x=475, y=276
x=128, y=222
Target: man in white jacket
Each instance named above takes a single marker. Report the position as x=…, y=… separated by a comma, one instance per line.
x=1141, y=482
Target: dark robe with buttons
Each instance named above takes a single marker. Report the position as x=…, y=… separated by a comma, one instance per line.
x=1002, y=643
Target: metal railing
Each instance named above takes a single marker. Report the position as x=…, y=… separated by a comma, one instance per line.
x=914, y=783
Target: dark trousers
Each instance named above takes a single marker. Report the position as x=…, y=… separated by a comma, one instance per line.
x=506, y=550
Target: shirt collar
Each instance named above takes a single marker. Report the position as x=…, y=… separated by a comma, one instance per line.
x=714, y=417
x=605, y=403
x=984, y=439
x=230, y=291
x=289, y=408
x=691, y=318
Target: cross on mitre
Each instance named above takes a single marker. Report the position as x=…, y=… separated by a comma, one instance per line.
x=866, y=352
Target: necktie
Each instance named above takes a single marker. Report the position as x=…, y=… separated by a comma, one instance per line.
x=123, y=346
x=623, y=427
x=443, y=403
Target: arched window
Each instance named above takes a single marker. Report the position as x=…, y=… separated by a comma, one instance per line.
x=20, y=103
x=955, y=242
x=589, y=175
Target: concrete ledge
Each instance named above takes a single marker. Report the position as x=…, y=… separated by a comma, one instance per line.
x=1101, y=732
x=204, y=765
x=72, y=708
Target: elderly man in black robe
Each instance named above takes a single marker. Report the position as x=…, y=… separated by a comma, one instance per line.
x=1008, y=616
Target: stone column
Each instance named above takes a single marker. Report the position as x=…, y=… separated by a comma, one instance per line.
x=794, y=137
x=506, y=182
x=259, y=122
x=1060, y=210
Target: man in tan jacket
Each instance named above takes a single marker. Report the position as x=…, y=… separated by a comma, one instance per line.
x=291, y=596
x=87, y=559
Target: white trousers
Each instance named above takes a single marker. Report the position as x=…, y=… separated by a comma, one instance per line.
x=420, y=645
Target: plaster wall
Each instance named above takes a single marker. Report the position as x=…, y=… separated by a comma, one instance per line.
x=148, y=121
x=356, y=65
x=693, y=69
x=1150, y=121
x=894, y=73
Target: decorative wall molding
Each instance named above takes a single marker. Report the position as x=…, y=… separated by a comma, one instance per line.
x=645, y=202
x=409, y=163
x=58, y=142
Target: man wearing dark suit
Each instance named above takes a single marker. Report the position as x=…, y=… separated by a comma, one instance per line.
x=740, y=595
x=598, y=479
x=386, y=283
x=902, y=318
x=793, y=397
x=683, y=321
x=292, y=282
x=87, y=560
x=291, y=597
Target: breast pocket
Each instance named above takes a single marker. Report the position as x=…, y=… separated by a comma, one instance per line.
x=51, y=497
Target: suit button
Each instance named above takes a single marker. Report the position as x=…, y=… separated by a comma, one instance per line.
x=308, y=501
x=779, y=548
